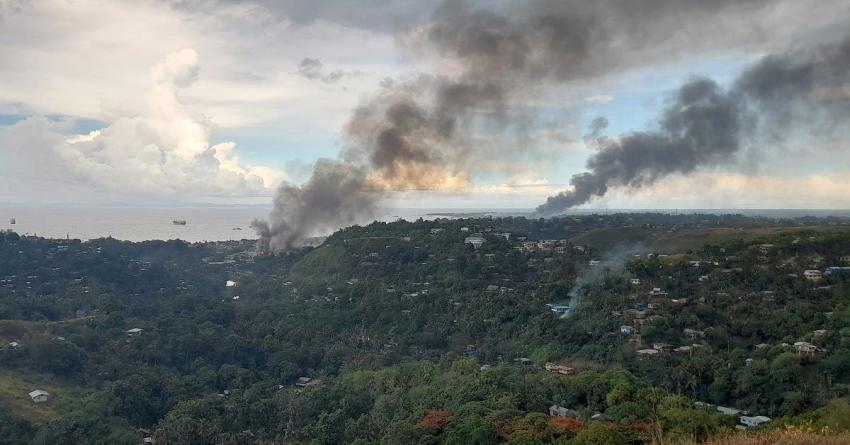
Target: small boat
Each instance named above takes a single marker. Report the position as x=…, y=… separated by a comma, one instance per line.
x=237, y=228
x=179, y=222
x=12, y=221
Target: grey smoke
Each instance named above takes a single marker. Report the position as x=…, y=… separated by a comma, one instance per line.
x=313, y=69
x=333, y=197
x=612, y=262
x=705, y=125
x=435, y=132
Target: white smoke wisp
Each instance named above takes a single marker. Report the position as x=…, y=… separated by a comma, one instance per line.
x=612, y=262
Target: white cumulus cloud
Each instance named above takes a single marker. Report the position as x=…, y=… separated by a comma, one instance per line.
x=163, y=151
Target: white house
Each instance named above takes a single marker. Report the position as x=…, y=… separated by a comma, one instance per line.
x=805, y=347
x=134, y=332
x=634, y=281
x=627, y=330
x=39, y=396
x=754, y=421
x=813, y=274
x=230, y=283
x=476, y=241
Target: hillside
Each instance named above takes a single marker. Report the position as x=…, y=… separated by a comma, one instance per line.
x=546, y=332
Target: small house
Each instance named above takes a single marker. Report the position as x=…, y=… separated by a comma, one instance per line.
x=476, y=241
x=754, y=421
x=560, y=411
x=229, y=283
x=634, y=281
x=558, y=369
x=647, y=352
x=134, y=332
x=627, y=330
x=804, y=347
x=304, y=382
x=813, y=275
x=39, y=396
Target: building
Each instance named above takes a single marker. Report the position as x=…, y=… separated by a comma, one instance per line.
x=647, y=352
x=304, y=382
x=804, y=347
x=657, y=292
x=39, y=396
x=634, y=281
x=560, y=308
x=135, y=332
x=813, y=275
x=728, y=411
x=560, y=411
x=837, y=271
x=627, y=330
x=229, y=283
x=476, y=241
x=558, y=369
x=754, y=421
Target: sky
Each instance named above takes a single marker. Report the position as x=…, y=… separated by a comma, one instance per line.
x=204, y=101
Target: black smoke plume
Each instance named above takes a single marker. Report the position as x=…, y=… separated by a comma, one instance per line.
x=437, y=132
x=705, y=125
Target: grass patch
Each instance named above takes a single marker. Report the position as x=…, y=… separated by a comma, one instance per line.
x=15, y=401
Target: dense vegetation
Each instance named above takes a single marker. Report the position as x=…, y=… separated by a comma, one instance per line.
x=412, y=335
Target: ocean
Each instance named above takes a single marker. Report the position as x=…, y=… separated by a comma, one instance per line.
x=220, y=223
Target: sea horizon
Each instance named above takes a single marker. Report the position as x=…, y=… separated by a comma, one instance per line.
x=232, y=222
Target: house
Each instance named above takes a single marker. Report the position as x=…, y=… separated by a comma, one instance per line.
x=693, y=333
x=803, y=347
x=663, y=347
x=813, y=275
x=683, y=349
x=476, y=241
x=728, y=411
x=593, y=262
x=229, y=283
x=754, y=421
x=837, y=271
x=522, y=361
x=436, y=231
x=634, y=281
x=558, y=369
x=560, y=411
x=560, y=308
x=647, y=352
x=39, y=396
x=135, y=332
x=657, y=292
x=627, y=330
x=14, y=345
x=304, y=382
x=505, y=235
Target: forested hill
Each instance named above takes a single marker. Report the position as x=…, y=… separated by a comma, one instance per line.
x=623, y=328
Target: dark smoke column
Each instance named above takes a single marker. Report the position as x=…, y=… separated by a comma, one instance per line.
x=705, y=125
x=335, y=196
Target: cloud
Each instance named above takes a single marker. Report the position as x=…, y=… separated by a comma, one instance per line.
x=313, y=69
x=599, y=99
x=164, y=151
